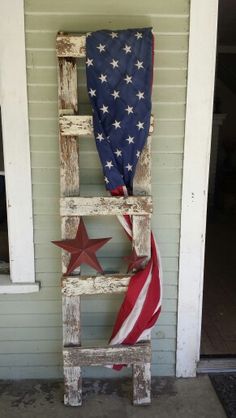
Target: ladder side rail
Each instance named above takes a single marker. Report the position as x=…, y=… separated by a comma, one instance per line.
x=142, y=245
x=69, y=186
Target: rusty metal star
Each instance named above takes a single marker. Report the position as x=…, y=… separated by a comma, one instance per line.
x=82, y=249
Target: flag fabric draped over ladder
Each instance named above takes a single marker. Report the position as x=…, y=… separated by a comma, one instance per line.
x=119, y=66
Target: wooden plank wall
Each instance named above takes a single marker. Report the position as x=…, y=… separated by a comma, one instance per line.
x=31, y=331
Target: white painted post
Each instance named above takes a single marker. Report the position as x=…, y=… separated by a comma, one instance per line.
x=15, y=130
x=200, y=92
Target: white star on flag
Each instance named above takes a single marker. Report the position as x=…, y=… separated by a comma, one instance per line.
x=138, y=35
x=89, y=62
x=114, y=63
x=127, y=49
x=92, y=92
x=129, y=109
x=115, y=94
x=139, y=64
x=138, y=154
x=140, y=95
x=109, y=164
x=140, y=125
x=129, y=167
x=114, y=35
x=88, y=34
x=130, y=139
x=106, y=180
x=116, y=124
x=101, y=48
x=103, y=78
x=104, y=109
x=118, y=152
x=128, y=79
x=100, y=137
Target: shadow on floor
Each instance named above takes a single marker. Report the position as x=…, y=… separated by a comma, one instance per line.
x=192, y=397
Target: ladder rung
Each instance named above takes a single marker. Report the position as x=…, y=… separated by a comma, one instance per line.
x=70, y=45
x=77, y=125
x=107, y=355
x=94, y=285
x=89, y=206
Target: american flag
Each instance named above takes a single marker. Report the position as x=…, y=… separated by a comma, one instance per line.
x=119, y=67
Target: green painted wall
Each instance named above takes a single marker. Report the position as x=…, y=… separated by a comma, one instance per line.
x=30, y=332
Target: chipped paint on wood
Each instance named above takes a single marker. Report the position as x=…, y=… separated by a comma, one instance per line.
x=71, y=45
x=141, y=240
x=109, y=355
x=151, y=127
x=76, y=125
x=69, y=227
x=71, y=337
x=142, y=186
x=82, y=125
x=72, y=386
x=142, y=245
x=71, y=321
x=69, y=152
x=142, y=384
x=69, y=185
x=94, y=285
x=67, y=86
x=72, y=206
x=90, y=206
x=69, y=163
x=142, y=178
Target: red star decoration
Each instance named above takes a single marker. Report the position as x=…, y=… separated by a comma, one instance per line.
x=135, y=262
x=82, y=249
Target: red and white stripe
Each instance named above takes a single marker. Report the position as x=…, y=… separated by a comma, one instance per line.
x=142, y=303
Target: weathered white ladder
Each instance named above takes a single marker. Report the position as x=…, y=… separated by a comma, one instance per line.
x=70, y=47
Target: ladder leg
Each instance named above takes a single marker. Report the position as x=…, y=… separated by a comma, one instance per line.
x=71, y=338
x=72, y=386
x=142, y=384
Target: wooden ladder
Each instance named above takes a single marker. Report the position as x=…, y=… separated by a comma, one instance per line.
x=69, y=48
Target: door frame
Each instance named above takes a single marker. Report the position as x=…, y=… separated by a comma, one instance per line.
x=198, y=127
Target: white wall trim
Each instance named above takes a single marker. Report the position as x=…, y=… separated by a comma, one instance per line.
x=14, y=108
x=198, y=125
x=7, y=287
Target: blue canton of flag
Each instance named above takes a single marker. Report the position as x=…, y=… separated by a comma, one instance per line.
x=119, y=78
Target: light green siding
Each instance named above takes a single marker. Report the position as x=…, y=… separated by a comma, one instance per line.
x=31, y=333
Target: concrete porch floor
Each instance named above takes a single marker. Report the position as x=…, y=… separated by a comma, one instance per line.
x=171, y=398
